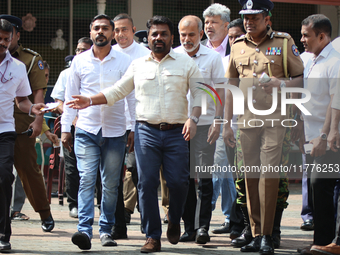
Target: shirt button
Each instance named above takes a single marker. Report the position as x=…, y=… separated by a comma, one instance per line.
x=255, y=62
x=272, y=61
x=257, y=50
x=240, y=63
x=254, y=74
x=254, y=87
x=254, y=101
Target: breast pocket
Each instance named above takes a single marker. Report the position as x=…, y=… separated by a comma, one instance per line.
x=146, y=83
x=243, y=67
x=173, y=80
x=111, y=76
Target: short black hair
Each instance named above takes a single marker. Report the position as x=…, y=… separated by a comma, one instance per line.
x=237, y=23
x=6, y=26
x=86, y=40
x=103, y=16
x=123, y=16
x=46, y=65
x=160, y=20
x=320, y=24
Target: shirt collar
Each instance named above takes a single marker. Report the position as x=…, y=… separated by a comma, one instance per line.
x=269, y=34
x=8, y=58
x=171, y=54
x=324, y=53
x=112, y=54
x=223, y=44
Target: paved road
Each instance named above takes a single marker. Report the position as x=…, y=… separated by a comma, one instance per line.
x=28, y=238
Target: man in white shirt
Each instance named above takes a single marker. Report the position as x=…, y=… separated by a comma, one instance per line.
x=127, y=192
x=216, y=21
x=71, y=170
x=197, y=212
x=100, y=132
x=14, y=84
x=161, y=81
x=321, y=79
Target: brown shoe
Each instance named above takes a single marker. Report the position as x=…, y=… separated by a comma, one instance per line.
x=174, y=232
x=328, y=249
x=305, y=251
x=151, y=245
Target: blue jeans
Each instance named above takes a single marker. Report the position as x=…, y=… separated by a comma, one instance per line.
x=93, y=151
x=223, y=183
x=154, y=148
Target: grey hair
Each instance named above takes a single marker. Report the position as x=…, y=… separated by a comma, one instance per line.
x=218, y=9
x=198, y=20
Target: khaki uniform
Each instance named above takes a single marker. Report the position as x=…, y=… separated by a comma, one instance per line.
x=25, y=156
x=262, y=146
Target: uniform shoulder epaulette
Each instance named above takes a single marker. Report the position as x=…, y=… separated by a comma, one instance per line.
x=31, y=51
x=281, y=34
x=240, y=39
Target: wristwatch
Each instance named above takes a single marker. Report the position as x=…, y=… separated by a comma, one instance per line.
x=323, y=136
x=194, y=119
x=218, y=117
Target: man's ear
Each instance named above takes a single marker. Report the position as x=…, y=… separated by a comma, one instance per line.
x=226, y=26
x=133, y=30
x=172, y=39
x=201, y=34
x=18, y=35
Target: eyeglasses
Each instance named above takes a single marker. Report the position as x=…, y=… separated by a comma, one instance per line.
x=80, y=50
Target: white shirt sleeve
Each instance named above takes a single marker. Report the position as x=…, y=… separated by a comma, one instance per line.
x=72, y=88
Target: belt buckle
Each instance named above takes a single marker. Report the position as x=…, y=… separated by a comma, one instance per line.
x=163, y=124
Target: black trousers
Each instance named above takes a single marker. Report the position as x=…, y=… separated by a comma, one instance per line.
x=71, y=176
x=197, y=209
x=120, y=224
x=323, y=178
x=236, y=216
x=7, y=141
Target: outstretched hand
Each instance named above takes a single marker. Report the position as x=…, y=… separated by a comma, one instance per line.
x=80, y=102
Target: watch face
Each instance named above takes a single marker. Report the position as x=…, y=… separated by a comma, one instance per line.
x=323, y=136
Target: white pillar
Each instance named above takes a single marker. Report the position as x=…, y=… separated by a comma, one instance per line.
x=101, y=5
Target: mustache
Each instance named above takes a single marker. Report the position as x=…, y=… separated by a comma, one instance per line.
x=3, y=46
x=98, y=36
x=188, y=43
x=159, y=42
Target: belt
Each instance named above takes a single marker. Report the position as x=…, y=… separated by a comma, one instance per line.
x=162, y=126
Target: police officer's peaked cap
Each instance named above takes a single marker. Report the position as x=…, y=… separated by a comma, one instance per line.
x=255, y=6
x=15, y=21
x=142, y=36
x=68, y=60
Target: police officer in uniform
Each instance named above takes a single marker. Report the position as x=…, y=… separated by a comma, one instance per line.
x=261, y=51
x=25, y=156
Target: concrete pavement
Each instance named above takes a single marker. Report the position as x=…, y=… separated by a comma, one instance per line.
x=28, y=238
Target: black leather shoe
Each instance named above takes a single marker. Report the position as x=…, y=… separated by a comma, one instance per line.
x=47, y=224
x=253, y=246
x=5, y=246
x=267, y=246
x=224, y=228
x=187, y=237
x=234, y=234
x=244, y=239
x=165, y=220
x=82, y=240
x=307, y=225
x=118, y=233
x=202, y=236
x=276, y=240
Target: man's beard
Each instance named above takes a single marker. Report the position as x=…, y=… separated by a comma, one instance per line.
x=101, y=44
x=157, y=49
x=194, y=47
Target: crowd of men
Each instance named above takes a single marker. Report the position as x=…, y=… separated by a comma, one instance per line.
x=174, y=110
